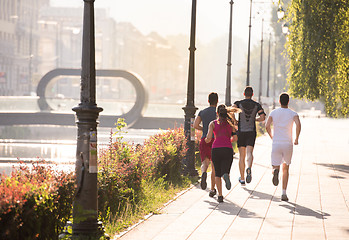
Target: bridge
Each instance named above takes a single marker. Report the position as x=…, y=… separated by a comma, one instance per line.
x=37, y=110
x=68, y=119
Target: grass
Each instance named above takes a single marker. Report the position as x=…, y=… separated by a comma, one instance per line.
x=155, y=195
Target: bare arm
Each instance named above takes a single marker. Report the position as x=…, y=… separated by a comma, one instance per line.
x=298, y=128
x=261, y=117
x=234, y=138
x=268, y=126
x=197, y=123
x=210, y=132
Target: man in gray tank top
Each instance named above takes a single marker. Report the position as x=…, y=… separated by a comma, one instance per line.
x=247, y=132
x=205, y=116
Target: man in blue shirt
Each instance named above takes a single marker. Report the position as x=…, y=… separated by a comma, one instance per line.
x=205, y=116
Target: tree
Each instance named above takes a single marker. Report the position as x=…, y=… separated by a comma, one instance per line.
x=318, y=49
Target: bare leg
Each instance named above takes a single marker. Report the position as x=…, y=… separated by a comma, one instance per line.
x=204, y=165
x=285, y=174
x=213, y=176
x=242, y=155
x=249, y=158
x=219, y=186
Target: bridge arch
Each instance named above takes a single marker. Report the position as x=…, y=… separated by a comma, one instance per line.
x=130, y=117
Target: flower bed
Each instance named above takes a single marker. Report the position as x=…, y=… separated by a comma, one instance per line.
x=124, y=166
x=36, y=201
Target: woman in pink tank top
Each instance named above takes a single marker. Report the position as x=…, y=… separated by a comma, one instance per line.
x=224, y=132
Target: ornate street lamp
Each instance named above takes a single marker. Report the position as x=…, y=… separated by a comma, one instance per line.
x=274, y=83
x=268, y=77
x=285, y=28
x=30, y=64
x=261, y=66
x=190, y=108
x=280, y=12
x=85, y=209
x=248, y=49
x=228, y=83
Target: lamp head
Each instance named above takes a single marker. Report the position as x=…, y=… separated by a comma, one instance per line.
x=285, y=28
x=280, y=12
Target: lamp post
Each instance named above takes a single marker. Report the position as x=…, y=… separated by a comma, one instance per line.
x=248, y=49
x=85, y=222
x=268, y=76
x=274, y=84
x=261, y=66
x=228, y=83
x=190, y=108
x=30, y=64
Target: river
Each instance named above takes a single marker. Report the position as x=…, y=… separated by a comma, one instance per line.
x=61, y=151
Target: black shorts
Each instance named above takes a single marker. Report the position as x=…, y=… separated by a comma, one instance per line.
x=222, y=159
x=246, y=139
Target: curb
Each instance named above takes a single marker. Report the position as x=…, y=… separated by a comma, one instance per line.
x=146, y=217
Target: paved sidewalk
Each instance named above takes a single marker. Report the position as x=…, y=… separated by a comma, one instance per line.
x=318, y=191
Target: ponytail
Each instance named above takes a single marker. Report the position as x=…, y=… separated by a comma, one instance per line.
x=223, y=115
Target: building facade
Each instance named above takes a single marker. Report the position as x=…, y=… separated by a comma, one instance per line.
x=36, y=38
x=19, y=39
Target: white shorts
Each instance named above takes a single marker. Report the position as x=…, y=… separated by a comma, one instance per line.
x=281, y=153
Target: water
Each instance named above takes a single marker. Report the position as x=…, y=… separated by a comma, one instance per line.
x=57, y=144
x=61, y=152
x=110, y=107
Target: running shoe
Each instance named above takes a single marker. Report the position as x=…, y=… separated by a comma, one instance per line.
x=242, y=182
x=227, y=181
x=203, y=183
x=212, y=193
x=220, y=199
x=284, y=197
x=249, y=175
x=276, y=177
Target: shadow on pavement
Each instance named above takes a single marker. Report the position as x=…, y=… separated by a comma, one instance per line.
x=230, y=208
x=293, y=207
x=339, y=177
x=260, y=195
x=304, y=211
x=337, y=167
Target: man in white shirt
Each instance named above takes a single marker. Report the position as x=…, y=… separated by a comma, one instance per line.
x=282, y=120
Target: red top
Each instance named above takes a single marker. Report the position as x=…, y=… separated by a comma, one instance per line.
x=222, y=134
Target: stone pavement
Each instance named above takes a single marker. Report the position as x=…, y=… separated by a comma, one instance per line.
x=318, y=191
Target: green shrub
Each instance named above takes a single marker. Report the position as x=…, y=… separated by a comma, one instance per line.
x=164, y=154
x=123, y=167
x=36, y=201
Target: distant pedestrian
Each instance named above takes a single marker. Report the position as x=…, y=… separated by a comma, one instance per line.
x=282, y=120
x=201, y=123
x=222, y=152
x=247, y=132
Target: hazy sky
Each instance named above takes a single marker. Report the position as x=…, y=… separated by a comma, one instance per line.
x=174, y=16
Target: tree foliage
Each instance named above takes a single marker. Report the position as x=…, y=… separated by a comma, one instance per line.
x=318, y=48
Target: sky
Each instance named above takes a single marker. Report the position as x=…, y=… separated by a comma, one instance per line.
x=171, y=17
